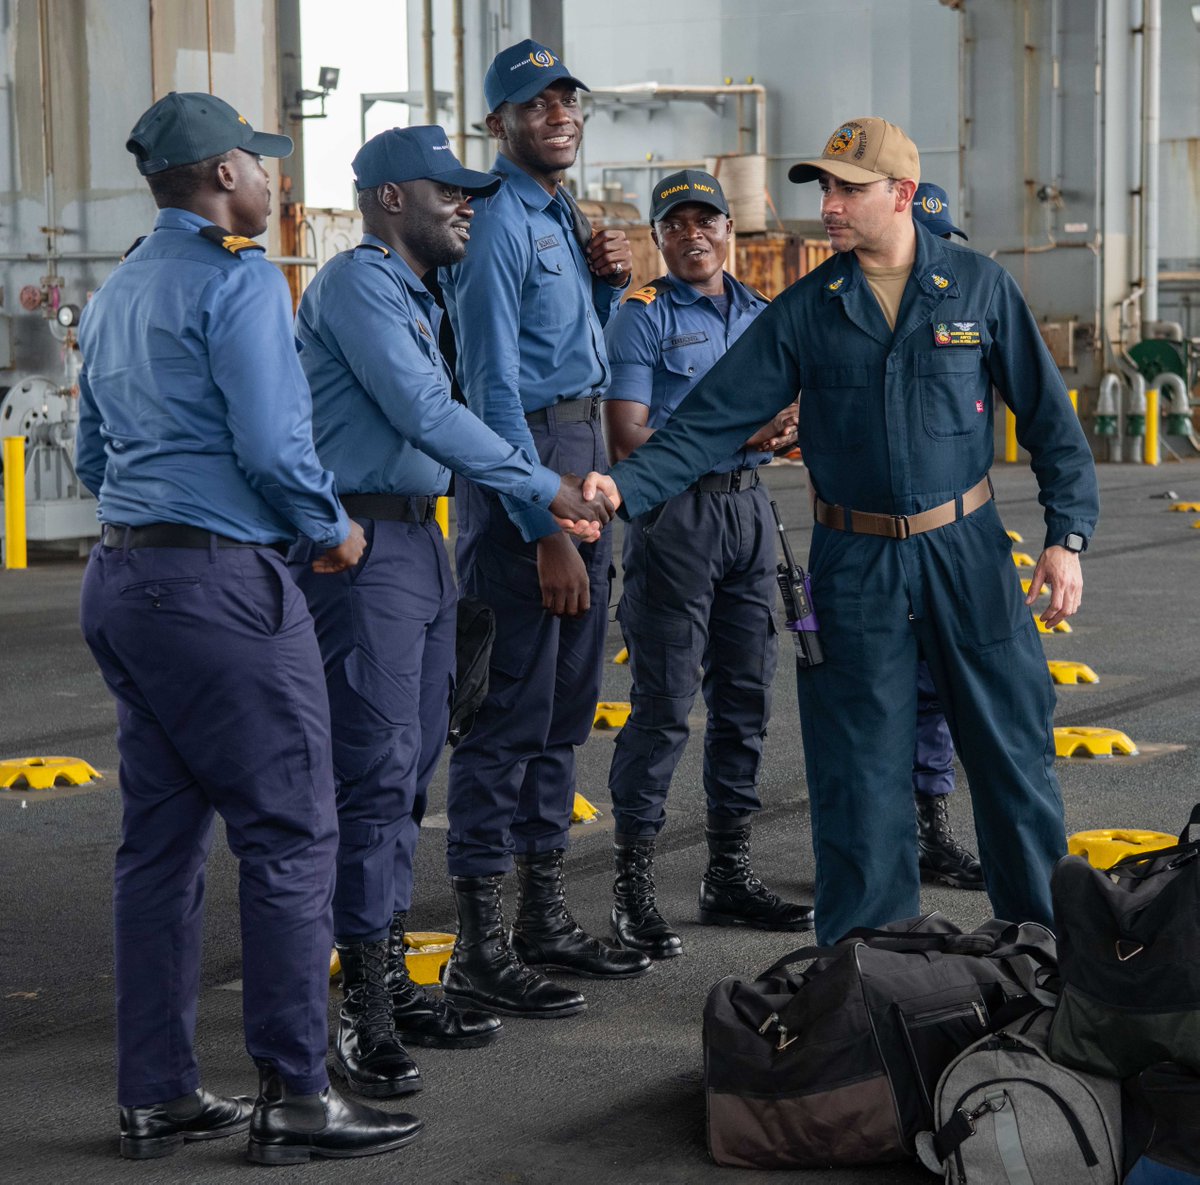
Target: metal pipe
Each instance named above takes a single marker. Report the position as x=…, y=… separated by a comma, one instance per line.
x=1151, y=102
x=653, y=90
x=1136, y=156
x=1175, y=391
x=460, y=85
x=60, y=256
x=1108, y=406
x=427, y=53
x=208, y=26
x=51, y=227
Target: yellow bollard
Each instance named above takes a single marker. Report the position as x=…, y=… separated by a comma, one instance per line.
x=1151, y=437
x=1073, y=395
x=1010, y=435
x=441, y=513
x=14, y=502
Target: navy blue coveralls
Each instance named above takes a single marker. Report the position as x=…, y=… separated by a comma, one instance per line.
x=528, y=318
x=699, y=573
x=194, y=411
x=896, y=423
x=385, y=423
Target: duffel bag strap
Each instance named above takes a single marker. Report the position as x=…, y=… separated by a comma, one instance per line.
x=1193, y=821
x=960, y=1127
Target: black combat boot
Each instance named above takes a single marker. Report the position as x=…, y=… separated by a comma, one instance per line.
x=941, y=856
x=423, y=1018
x=483, y=971
x=635, y=916
x=546, y=935
x=161, y=1128
x=289, y=1128
x=730, y=893
x=369, y=1055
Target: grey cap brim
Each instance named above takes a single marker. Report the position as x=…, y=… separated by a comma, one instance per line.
x=541, y=82
x=267, y=144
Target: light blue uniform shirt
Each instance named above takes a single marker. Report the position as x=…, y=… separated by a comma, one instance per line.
x=193, y=408
x=661, y=347
x=528, y=316
x=383, y=417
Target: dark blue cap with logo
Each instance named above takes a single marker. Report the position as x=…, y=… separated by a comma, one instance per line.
x=688, y=185
x=185, y=127
x=931, y=208
x=522, y=71
x=415, y=154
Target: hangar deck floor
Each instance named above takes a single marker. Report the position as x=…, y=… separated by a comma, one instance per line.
x=613, y=1095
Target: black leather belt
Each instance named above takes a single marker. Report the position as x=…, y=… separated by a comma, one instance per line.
x=727, y=483
x=569, y=411
x=116, y=535
x=392, y=508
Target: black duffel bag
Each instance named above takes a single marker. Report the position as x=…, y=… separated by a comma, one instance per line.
x=1129, y=942
x=832, y=1055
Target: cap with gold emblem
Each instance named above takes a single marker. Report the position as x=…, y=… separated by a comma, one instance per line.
x=187, y=126
x=862, y=151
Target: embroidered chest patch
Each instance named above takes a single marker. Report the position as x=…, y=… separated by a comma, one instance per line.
x=546, y=243
x=684, y=339
x=956, y=333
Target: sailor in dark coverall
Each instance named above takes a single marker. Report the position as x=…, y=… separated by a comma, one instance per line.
x=909, y=551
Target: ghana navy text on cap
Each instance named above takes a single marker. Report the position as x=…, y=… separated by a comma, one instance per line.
x=862, y=151
x=185, y=127
x=416, y=154
x=931, y=208
x=688, y=185
x=522, y=71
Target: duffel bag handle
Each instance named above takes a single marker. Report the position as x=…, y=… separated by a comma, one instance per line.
x=1185, y=835
x=804, y=954
x=959, y=944
x=1184, y=851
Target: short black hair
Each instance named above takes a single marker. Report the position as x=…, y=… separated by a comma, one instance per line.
x=368, y=202
x=177, y=187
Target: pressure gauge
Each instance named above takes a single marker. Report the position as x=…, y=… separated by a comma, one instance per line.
x=67, y=315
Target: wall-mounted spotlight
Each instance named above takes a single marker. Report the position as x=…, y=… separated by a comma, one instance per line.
x=327, y=81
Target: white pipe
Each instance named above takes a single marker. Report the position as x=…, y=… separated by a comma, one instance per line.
x=652, y=90
x=1109, y=401
x=1151, y=101
x=1171, y=387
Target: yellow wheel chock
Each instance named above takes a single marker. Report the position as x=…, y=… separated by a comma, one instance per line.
x=1102, y=849
x=1026, y=585
x=1186, y=507
x=1023, y=559
x=611, y=715
x=1015, y=536
x=43, y=773
x=1071, y=672
x=622, y=657
x=1196, y=525
x=1093, y=742
x=582, y=811
x=1061, y=628
x=426, y=953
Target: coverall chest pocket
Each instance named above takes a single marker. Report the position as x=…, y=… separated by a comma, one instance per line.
x=551, y=277
x=954, y=392
x=834, y=408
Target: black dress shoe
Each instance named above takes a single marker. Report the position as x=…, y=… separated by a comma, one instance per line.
x=162, y=1128
x=483, y=971
x=546, y=935
x=288, y=1128
x=635, y=917
x=940, y=856
x=422, y=1018
x=730, y=893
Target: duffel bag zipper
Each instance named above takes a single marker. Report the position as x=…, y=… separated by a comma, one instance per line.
x=919, y=1020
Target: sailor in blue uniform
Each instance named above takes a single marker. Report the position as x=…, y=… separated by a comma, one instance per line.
x=699, y=582
x=195, y=435
x=528, y=307
x=385, y=424
x=909, y=550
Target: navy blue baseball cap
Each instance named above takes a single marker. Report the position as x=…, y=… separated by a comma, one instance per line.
x=689, y=185
x=931, y=208
x=188, y=126
x=416, y=154
x=522, y=71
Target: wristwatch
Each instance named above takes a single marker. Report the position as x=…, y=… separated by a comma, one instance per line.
x=1074, y=542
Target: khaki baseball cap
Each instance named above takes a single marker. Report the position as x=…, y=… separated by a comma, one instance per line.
x=862, y=151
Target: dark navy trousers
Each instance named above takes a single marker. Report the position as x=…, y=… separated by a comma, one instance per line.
x=699, y=595
x=933, y=756
x=221, y=709
x=952, y=596
x=386, y=629
x=512, y=778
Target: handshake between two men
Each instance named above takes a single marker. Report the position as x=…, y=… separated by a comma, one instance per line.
x=583, y=506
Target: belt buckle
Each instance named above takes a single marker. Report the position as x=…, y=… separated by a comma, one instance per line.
x=901, y=527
